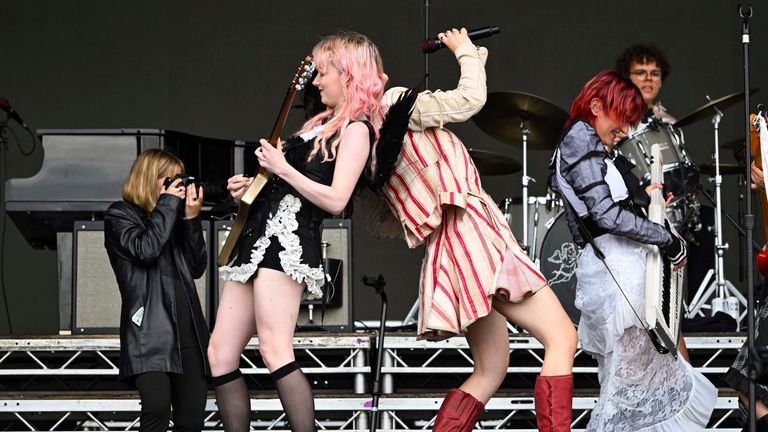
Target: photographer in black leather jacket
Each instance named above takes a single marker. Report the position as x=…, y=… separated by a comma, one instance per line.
x=155, y=244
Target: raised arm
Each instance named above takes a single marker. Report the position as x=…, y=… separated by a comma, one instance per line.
x=436, y=108
x=136, y=241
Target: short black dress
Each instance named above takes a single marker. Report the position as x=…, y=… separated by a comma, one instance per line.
x=283, y=228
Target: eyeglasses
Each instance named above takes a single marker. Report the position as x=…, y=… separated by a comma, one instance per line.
x=643, y=74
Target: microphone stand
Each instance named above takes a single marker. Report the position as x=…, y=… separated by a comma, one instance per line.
x=426, y=37
x=749, y=219
x=378, y=285
x=3, y=218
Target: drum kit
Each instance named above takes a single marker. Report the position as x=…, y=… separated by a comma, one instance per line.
x=538, y=222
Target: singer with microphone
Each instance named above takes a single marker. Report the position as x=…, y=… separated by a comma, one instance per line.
x=434, y=44
x=474, y=275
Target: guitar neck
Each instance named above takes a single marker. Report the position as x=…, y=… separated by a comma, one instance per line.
x=657, y=208
x=299, y=80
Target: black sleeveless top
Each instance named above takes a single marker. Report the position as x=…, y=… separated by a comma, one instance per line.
x=279, y=215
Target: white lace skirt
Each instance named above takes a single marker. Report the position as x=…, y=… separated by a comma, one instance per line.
x=640, y=389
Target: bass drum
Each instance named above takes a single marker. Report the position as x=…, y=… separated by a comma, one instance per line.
x=558, y=259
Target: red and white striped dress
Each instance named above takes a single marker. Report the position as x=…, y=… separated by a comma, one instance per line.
x=470, y=251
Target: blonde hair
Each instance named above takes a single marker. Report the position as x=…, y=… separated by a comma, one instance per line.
x=362, y=74
x=140, y=187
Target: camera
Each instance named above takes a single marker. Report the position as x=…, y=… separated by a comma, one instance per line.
x=186, y=180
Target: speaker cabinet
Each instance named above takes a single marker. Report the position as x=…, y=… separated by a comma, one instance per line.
x=95, y=295
x=337, y=313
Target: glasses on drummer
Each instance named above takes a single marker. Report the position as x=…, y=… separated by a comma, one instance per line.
x=643, y=74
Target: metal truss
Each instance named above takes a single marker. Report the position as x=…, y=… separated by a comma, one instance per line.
x=416, y=375
x=333, y=413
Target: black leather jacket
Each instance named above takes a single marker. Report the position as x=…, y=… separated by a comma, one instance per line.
x=138, y=248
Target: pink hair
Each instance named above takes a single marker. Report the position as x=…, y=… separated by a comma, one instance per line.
x=359, y=62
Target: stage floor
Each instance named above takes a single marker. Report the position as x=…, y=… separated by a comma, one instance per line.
x=70, y=382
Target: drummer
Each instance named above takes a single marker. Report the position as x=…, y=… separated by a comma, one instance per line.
x=647, y=67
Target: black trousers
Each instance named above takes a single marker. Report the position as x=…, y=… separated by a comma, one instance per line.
x=186, y=393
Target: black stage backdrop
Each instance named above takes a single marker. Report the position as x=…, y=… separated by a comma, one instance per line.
x=220, y=69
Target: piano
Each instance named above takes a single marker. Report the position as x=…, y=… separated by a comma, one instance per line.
x=83, y=172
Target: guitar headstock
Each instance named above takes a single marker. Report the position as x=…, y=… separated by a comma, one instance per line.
x=304, y=73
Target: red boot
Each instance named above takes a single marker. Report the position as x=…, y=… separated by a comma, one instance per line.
x=458, y=413
x=553, y=396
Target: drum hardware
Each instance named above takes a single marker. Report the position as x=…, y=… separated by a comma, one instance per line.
x=714, y=281
x=739, y=228
x=683, y=214
x=491, y=163
x=500, y=118
x=713, y=107
x=725, y=169
x=516, y=117
x=542, y=212
x=680, y=173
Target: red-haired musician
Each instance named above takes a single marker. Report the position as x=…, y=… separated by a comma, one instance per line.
x=640, y=388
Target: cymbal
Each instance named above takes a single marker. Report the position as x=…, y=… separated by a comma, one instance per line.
x=708, y=110
x=490, y=163
x=504, y=111
x=725, y=169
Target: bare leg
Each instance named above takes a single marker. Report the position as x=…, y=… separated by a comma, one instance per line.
x=235, y=325
x=543, y=317
x=488, y=341
x=276, y=303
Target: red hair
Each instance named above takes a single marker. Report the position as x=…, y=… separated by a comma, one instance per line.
x=621, y=99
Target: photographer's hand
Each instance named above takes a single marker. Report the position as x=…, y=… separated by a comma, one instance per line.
x=175, y=189
x=193, y=202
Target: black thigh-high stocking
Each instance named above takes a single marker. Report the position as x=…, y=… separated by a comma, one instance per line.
x=233, y=401
x=296, y=397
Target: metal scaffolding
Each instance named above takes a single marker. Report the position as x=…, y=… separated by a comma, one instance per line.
x=70, y=383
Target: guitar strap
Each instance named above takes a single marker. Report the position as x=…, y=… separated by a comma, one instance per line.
x=589, y=238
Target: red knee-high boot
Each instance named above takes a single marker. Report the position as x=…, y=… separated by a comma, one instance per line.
x=553, y=397
x=458, y=413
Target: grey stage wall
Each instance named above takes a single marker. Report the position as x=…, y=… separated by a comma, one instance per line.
x=220, y=69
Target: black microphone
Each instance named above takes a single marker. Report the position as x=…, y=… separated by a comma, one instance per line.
x=434, y=44
x=6, y=106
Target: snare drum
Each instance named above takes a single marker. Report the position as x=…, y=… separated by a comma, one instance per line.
x=542, y=212
x=680, y=173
